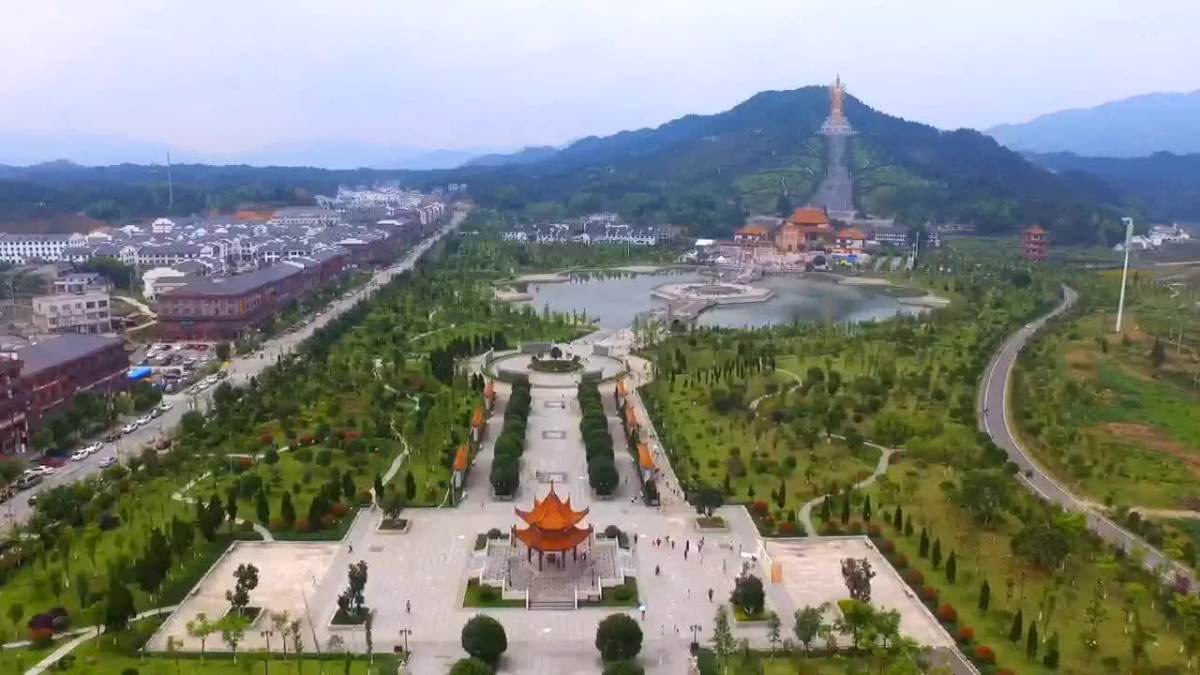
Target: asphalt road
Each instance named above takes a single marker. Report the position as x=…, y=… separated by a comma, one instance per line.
x=994, y=420
x=17, y=510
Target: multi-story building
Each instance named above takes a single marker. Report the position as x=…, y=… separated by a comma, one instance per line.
x=22, y=248
x=305, y=215
x=81, y=282
x=1036, y=243
x=82, y=312
x=14, y=401
x=56, y=369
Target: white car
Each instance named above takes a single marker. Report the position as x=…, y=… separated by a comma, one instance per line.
x=91, y=448
x=80, y=455
x=129, y=428
x=40, y=470
x=107, y=462
x=144, y=420
x=164, y=406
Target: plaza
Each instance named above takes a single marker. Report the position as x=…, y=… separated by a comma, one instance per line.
x=418, y=579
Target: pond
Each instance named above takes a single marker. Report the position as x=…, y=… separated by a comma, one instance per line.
x=615, y=299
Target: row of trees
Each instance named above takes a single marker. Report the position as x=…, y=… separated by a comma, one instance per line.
x=510, y=444
x=597, y=441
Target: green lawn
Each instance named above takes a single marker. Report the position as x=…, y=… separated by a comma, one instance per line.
x=480, y=596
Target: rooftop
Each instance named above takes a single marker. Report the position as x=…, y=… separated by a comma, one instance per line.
x=63, y=349
x=238, y=284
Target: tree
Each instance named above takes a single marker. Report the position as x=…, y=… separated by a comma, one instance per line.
x=857, y=574
x=348, y=487
x=119, y=608
x=231, y=507
x=809, y=622
x=379, y=494
x=985, y=595
x=1014, y=631
x=623, y=668
x=15, y=612
x=1031, y=642
x=200, y=628
x=262, y=508
x=748, y=594
x=1187, y=607
x=1158, y=354
x=951, y=568
x=223, y=351
x=845, y=514
x=239, y=597
x=410, y=486
x=191, y=423
x=287, y=511
x=1050, y=659
x=471, y=666
x=866, y=509
x=708, y=499
x=1043, y=544
x=923, y=549
x=618, y=637
x=774, y=626
x=898, y=519
x=936, y=556
x=722, y=637
x=233, y=628
x=483, y=638
x=984, y=493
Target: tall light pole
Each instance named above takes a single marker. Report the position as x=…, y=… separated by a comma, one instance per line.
x=1124, y=271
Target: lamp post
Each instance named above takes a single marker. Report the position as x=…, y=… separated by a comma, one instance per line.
x=266, y=635
x=404, y=633
x=695, y=628
x=1124, y=271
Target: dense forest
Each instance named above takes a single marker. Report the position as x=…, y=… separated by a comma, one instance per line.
x=1166, y=185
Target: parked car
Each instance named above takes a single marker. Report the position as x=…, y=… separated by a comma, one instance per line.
x=92, y=448
x=129, y=428
x=80, y=455
x=143, y=420
x=40, y=470
x=107, y=462
x=165, y=406
x=155, y=413
x=112, y=435
x=28, y=480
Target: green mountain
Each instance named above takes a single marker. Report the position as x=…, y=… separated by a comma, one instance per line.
x=1166, y=185
x=711, y=171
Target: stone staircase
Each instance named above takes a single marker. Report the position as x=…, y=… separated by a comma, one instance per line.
x=552, y=592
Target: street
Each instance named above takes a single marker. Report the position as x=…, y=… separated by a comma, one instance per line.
x=241, y=368
x=994, y=420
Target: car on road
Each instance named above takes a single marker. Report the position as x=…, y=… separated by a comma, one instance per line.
x=165, y=406
x=80, y=455
x=107, y=462
x=40, y=470
x=33, y=498
x=91, y=448
x=144, y=420
x=155, y=413
x=129, y=428
x=28, y=480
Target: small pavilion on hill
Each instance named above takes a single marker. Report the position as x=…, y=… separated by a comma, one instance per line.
x=554, y=528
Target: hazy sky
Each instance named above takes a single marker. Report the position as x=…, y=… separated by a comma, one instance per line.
x=219, y=76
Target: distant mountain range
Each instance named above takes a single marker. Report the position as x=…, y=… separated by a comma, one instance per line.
x=1133, y=127
x=19, y=148
x=710, y=171
x=535, y=153
x=1165, y=185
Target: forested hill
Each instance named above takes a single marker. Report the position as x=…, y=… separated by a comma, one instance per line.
x=710, y=171
x=1166, y=184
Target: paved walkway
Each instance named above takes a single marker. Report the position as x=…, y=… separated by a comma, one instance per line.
x=994, y=419
x=80, y=636
x=881, y=467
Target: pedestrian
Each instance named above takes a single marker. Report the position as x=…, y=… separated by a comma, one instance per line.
x=710, y=595
x=656, y=570
x=408, y=606
x=685, y=553
x=351, y=548
x=724, y=565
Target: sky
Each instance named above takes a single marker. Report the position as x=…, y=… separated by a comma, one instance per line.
x=221, y=76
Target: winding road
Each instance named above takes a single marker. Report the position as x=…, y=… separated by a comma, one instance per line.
x=994, y=419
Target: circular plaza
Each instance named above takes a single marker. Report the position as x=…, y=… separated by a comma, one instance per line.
x=718, y=293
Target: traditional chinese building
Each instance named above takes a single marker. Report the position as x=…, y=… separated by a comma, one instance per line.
x=806, y=230
x=554, y=529
x=1036, y=243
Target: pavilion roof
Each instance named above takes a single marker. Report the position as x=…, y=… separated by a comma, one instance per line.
x=630, y=416
x=543, y=540
x=462, y=458
x=809, y=216
x=477, y=418
x=622, y=387
x=645, y=459
x=552, y=514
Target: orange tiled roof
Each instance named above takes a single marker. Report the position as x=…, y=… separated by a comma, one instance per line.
x=630, y=416
x=542, y=540
x=552, y=513
x=752, y=230
x=477, y=418
x=851, y=233
x=807, y=216
x=1036, y=229
x=462, y=458
x=645, y=459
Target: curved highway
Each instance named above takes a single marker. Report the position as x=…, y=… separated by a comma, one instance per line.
x=993, y=412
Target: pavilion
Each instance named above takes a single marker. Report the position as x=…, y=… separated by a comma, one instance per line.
x=554, y=528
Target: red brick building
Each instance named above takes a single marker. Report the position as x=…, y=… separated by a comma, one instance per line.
x=226, y=308
x=54, y=370
x=14, y=401
x=1036, y=243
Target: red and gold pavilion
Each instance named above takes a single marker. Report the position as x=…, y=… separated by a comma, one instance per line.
x=553, y=529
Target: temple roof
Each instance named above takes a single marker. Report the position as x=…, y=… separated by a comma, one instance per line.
x=552, y=514
x=809, y=216
x=541, y=540
x=1036, y=229
x=645, y=459
x=850, y=233
x=630, y=416
x=477, y=418
x=462, y=458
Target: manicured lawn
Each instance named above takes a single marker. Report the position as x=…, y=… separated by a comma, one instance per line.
x=480, y=596
x=625, y=595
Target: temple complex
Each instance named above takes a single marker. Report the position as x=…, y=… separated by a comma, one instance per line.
x=1036, y=243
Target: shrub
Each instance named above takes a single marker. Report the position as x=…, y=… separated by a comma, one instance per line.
x=494, y=533
x=612, y=532
x=787, y=529
x=304, y=455
x=246, y=526
x=483, y=638
x=624, y=668
x=914, y=577
x=618, y=637
x=874, y=530
x=760, y=508
x=887, y=546
x=338, y=509
x=831, y=528
x=327, y=520
x=41, y=637
x=929, y=594
x=324, y=457
x=984, y=654
x=302, y=525
x=276, y=524
x=946, y=613
x=471, y=667
x=856, y=527
x=965, y=634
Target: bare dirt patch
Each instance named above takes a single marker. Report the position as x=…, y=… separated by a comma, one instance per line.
x=1155, y=440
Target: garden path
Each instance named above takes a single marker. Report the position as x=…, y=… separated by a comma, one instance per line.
x=794, y=387
x=885, y=457
x=181, y=496
x=80, y=636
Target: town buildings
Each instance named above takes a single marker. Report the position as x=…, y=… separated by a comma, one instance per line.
x=14, y=401
x=596, y=228
x=82, y=312
x=23, y=248
x=53, y=371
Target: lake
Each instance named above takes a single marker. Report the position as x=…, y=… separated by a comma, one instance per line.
x=616, y=299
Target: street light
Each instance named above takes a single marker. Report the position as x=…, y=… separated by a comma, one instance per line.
x=1124, y=271
x=404, y=633
x=695, y=628
x=266, y=635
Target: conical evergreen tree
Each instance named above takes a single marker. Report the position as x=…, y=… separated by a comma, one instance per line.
x=923, y=549
x=985, y=595
x=936, y=557
x=1018, y=627
x=951, y=568
x=1031, y=642
x=898, y=519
